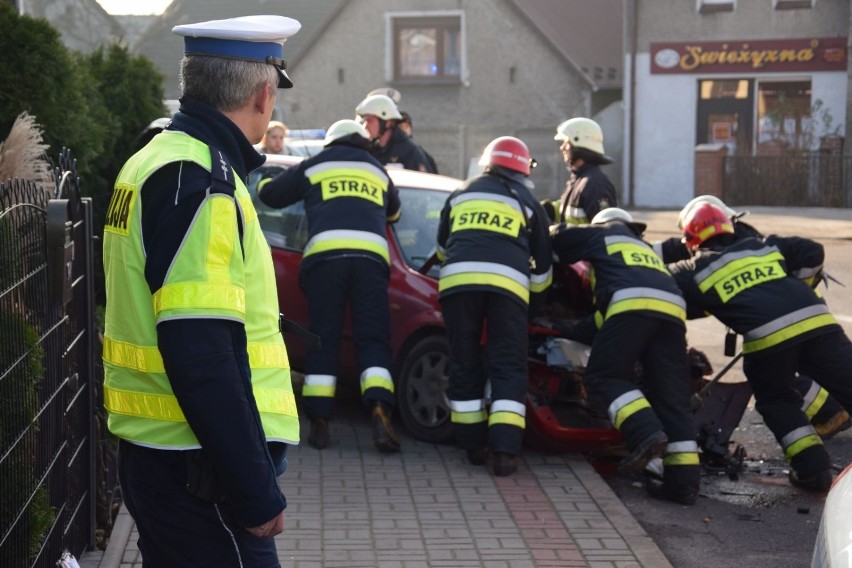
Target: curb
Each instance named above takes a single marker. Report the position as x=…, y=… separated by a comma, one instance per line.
x=118, y=539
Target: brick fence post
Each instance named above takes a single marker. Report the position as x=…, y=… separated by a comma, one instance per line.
x=709, y=169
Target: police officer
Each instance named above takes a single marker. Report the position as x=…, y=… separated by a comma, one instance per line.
x=641, y=317
x=825, y=413
x=379, y=115
x=749, y=285
x=588, y=190
x=197, y=384
x=349, y=199
x=494, y=245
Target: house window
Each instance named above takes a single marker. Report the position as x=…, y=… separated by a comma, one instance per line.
x=792, y=4
x=710, y=6
x=784, y=117
x=427, y=48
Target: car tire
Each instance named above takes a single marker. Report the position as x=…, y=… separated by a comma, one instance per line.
x=423, y=405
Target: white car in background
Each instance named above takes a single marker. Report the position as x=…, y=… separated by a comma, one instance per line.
x=833, y=547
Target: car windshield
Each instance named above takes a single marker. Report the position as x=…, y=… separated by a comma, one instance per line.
x=415, y=231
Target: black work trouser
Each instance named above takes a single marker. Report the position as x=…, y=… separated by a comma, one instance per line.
x=827, y=357
x=504, y=320
x=331, y=285
x=660, y=346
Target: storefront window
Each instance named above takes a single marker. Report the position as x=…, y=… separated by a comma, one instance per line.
x=725, y=110
x=784, y=116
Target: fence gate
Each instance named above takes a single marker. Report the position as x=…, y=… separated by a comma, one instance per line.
x=48, y=383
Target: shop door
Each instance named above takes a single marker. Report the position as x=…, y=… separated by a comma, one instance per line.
x=725, y=114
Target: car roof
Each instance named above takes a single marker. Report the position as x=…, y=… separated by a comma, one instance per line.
x=399, y=176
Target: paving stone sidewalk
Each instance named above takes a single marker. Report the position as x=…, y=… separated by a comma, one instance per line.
x=350, y=506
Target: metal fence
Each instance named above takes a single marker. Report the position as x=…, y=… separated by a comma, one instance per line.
x=56, y=470
x=804, y=180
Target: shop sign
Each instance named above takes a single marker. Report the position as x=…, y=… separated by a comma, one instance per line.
x=761, y=56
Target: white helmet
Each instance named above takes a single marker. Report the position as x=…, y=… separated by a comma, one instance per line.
x=581, y=133
x=343, y=128
x=389, y=92
x=701, y=199
x=380, y=106
x=618, y=214
x=612, y=214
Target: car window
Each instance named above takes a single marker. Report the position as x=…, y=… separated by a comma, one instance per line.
x=417, y=228
x=283, y=228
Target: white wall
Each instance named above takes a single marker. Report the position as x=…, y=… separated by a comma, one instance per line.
x=665, y=122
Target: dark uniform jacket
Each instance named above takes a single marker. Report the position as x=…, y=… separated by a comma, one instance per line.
x=587, y=191
x=401, y=149
x=755, y=287
x=349, y=199
x=674, y=249
x=627, y=275
x=493, y=236
x=195, y=351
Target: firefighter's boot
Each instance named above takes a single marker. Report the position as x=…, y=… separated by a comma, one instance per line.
x=834, y=424
x=384, y=436
x=820, y=482
x=504, y=464
x=319, y=436
x=680, y=484
x=653, y=446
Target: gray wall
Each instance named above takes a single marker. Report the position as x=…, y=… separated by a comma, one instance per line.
x=452, y=122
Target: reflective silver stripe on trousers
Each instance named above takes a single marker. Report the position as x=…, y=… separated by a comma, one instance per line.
x=506, y=405
x=467, y=405
x=622, y=401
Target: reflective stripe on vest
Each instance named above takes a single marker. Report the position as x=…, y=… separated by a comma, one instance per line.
x=349, y=179
x=209, y=277
x=786, y=327
x=575, y=216
x=485, y=274
x=736, y=271
x=486, y=212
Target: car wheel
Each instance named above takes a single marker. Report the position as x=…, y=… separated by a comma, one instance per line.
x=423, y=404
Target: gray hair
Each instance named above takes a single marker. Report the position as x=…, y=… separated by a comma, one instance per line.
x=224, y=84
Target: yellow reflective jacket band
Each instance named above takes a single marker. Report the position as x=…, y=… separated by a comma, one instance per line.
x=787, y=327
x=145, y=359
x=166, y=407
x=484, y=274
x=541, y=282
x=204, y=295
x=342, y=239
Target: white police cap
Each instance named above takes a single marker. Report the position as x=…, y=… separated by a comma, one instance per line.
x=249, y=38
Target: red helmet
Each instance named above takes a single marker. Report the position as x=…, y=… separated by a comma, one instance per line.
x=704, y=222
x=508, y=152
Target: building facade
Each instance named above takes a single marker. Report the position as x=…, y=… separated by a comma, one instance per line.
x=753, y=77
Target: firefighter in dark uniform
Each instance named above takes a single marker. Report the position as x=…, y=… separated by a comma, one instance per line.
x=750, y=285
x=641, y=317
x=588, y=190
x=349, y=199
x=825, y=413
x=391, y=146
x=494, y=245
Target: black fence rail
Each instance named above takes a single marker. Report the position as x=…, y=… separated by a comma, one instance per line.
x=802, y=180
x=52, y=478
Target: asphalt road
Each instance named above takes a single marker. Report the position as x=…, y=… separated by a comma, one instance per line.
x=758, y=519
